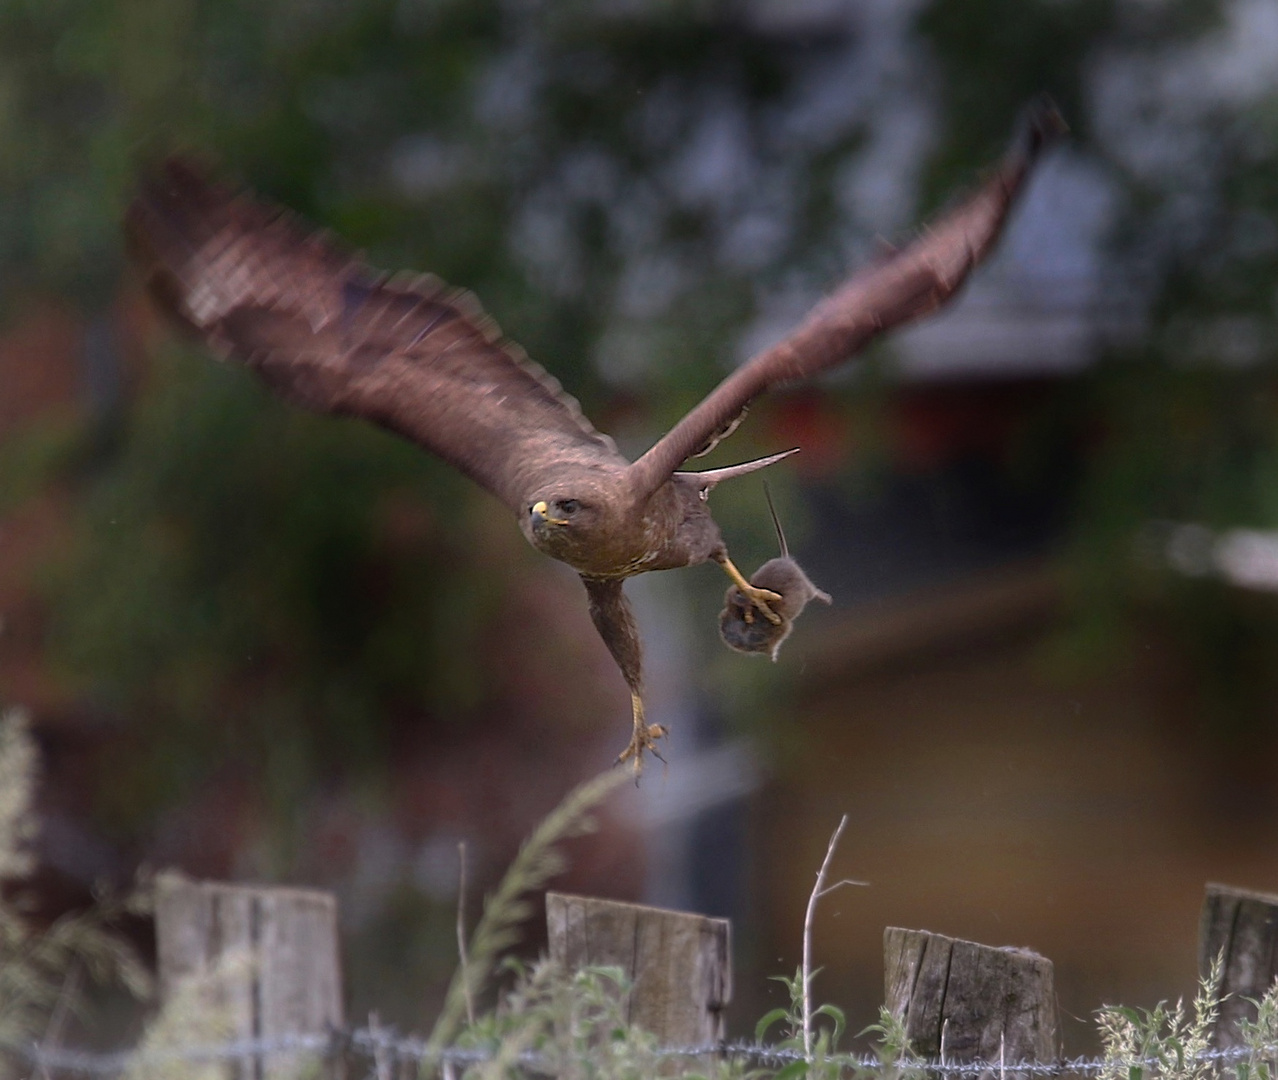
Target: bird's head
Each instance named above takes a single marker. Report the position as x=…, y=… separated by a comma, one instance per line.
x=569, y=522
x=560, y=519
x=557, y=512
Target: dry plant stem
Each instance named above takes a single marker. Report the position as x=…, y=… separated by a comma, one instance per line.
x=57, y=1018
x=817, y=890
x=461, y=934
x=537, y=862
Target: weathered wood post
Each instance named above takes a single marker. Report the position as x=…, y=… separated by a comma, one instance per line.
x=265, y=960
x=679, y=965
x=1243, y=927
x=966, y=1002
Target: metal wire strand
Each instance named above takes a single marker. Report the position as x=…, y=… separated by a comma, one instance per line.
x=369, y=1043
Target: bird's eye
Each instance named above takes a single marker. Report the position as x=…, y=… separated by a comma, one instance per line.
x=570, y=506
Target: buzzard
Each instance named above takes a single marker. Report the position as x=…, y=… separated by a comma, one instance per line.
x=330, y=333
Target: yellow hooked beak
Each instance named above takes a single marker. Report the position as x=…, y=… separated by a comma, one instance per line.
x=541, y=515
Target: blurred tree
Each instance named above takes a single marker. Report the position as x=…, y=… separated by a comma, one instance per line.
x=641, y=192
x=1179, y=104
x=617, y=186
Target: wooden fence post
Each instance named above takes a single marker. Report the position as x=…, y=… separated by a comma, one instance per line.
x=1243, y=926
x=679, y=965
x=265, y=959
x=966, y=1002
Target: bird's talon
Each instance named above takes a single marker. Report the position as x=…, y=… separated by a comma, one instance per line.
x=644, y=737
x=760, y=598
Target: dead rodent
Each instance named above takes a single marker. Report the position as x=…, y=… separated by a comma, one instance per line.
x=743, y=627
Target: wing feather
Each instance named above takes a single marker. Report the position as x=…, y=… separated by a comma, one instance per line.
x=328, y=332
x=906, y=285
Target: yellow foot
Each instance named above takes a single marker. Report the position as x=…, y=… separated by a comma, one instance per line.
x=644, y=737
x=760, y=598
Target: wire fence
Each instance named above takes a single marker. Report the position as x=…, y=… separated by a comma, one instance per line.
x=384, y=1052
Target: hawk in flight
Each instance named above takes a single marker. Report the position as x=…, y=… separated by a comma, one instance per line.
x=330, y=333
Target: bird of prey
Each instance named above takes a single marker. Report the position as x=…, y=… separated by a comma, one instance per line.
x=742, y=626
x=328, y=332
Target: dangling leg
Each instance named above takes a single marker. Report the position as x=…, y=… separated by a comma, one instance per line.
x=644, y=736
x=614, y=619
x=760, y=598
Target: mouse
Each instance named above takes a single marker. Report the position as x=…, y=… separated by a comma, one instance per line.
x=742, y=626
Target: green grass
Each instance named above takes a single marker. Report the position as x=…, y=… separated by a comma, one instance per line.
x=572, y=1024
x=42, y=969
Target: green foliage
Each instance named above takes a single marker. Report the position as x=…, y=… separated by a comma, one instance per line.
x=891, y=1046
x=826, y=1062
x=197, y=1012
x=255, y=585
x=1187, y=429
x=994, y=56
x=548, y=1021
x=37, y=966
x=575, y=1023
x=36, y=456
x=1162, y=1041
x=539, y=860
x=1177, y=424
x=1260, y=1038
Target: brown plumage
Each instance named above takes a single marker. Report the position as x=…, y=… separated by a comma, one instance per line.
x=330, y=333
x=743, y=626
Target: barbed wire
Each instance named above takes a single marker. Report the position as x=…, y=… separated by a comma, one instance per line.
x=374, y=1043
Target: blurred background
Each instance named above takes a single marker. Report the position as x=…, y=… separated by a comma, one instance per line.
x=262, y=645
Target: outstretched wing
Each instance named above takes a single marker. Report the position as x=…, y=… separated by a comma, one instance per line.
x=912, y=282
x=329, y=332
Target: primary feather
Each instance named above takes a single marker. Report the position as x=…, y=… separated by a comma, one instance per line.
x=330, y=333
x=908, y=284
